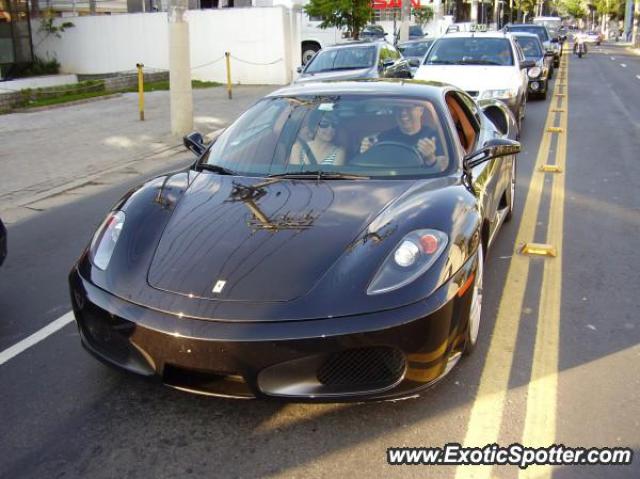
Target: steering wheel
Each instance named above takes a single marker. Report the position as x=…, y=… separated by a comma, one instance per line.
x=307, y=151
x=373, y=161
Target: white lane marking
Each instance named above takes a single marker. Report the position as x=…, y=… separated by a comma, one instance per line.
x=623, y=65
x=638, y=77
x=36, y=337
x=613, y=59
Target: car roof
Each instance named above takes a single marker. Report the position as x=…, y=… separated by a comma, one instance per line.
x=354, y=43
x=494, y=34
x=525, y=34
x=419, y=40
x=425, y=90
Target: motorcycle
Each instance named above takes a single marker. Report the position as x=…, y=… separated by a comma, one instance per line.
x=580, y=47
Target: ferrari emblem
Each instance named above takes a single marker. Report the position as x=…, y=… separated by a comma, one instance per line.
x=218, y=286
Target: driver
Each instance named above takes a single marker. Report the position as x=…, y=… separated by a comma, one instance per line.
x=412, y=132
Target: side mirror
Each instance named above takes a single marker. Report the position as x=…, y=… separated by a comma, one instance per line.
x=554, y=40
x=527, y=64
x=299, y=69
x=414, y=62
x=387, y=63
x=494, y=148
x=194, y=142
x=548, y=54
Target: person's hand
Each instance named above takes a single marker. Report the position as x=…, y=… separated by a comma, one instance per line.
x=367, y=142
x=427, y=148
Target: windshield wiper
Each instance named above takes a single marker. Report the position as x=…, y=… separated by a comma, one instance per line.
x=221, y=170
x=441, y=62
x=317, y=174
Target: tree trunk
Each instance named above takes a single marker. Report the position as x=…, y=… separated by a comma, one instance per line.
x=35, y=8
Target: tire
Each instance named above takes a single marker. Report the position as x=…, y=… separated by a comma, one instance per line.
x=543, y=95
x=308, y=50
x=579, y=54
x=475, y=307
x=511, y=192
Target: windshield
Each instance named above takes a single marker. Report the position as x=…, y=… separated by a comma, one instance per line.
x=373, y=136
x=414, y=49
x=530, y=46
x=346, y=58
x=416, y=31
x=471, y=51
x=538, y=30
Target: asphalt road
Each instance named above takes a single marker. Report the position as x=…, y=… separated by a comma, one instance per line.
x=572, y=344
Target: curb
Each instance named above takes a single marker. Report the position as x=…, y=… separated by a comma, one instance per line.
x=68, y=103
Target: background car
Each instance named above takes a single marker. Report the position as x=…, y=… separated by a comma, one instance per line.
x=550, y=44
x=3, y=242
x=254, y=274
x=485, y=65
x=414, y=51
x=372, y=32
x=593, y=37
x=356, y=60
x=538, y=74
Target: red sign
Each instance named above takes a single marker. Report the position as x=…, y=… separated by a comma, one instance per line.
x=384, y=4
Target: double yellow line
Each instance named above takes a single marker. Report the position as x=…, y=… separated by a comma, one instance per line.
x=489, y=407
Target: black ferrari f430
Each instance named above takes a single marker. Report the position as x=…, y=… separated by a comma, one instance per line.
x=327, y=246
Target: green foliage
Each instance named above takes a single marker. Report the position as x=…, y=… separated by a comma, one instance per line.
x=352, y=14
x=422, y=15
x=48, y=27
x=575, y=8
x=614, y=8
x=40, y=66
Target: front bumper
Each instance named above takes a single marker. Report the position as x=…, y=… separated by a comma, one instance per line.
x=383, y=355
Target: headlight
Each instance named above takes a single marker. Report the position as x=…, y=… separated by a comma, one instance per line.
x=499, y=94
x=534, y=72
x=411, y=258
x=105, y=239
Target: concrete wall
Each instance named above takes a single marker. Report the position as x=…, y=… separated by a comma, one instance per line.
x=261, y=42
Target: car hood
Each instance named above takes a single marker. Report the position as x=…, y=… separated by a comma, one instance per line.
x=335, y=75
x=471, y=77
x=262, y=239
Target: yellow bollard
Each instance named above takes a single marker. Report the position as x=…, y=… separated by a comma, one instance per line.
x=228, y=58
x=140, y=90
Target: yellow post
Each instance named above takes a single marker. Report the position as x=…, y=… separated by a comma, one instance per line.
x=228, y=58
x=140, y=90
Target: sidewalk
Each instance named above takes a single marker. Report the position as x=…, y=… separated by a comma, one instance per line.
x=48, y=151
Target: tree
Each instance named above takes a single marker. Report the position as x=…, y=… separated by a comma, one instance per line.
x=575, y=8
x=353, y=14
x=422, y=15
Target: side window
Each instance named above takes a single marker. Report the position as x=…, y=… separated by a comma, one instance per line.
x=465, y=122
x=384, y=55
x=519, y=52
x=471, y=108
x=394, y=54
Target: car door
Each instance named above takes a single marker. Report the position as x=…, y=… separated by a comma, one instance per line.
x=524, y=78
x=471, y=135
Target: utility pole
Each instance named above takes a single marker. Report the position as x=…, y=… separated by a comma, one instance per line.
x=405, y=18
x=636, y=25
x=628, y=21
x=181, y=98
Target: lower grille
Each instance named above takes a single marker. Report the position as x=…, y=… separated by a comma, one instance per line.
x=206, y=382
x=365, y=367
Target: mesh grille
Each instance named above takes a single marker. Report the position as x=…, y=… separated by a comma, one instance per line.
x=375, y=367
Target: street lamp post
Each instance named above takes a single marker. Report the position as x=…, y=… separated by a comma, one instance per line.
x=181, y=99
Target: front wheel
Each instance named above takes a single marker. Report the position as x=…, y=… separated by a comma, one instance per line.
x=473, y=323
x=308, y=51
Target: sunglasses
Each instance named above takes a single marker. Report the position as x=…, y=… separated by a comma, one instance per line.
x=326, y=124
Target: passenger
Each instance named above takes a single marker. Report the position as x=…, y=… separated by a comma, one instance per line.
x=411, y=131
x=321, y=145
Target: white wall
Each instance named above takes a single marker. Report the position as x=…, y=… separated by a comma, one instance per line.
x=254, y=36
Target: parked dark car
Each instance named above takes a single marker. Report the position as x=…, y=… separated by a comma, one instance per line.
x=539, y=74
x=552, y=45
x=3, y=243
x=355, y=60
x=414, y=51
x=372, y=32
x=266, y=271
